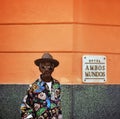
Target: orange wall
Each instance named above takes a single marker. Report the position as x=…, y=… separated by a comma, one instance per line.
x=68, y=29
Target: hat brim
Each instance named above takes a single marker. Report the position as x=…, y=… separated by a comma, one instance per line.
x=54, y=61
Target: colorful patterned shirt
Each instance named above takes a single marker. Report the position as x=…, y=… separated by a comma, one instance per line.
x=40, y=102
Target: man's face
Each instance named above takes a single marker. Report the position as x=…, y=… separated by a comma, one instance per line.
x=46, y=69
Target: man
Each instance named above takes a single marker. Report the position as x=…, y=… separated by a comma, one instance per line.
x=42, y=100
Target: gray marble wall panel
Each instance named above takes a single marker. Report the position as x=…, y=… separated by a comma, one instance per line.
x=78, y=101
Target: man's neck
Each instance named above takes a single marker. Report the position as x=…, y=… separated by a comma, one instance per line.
x=46, y=79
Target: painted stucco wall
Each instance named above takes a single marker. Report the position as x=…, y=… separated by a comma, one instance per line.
x=68, y=29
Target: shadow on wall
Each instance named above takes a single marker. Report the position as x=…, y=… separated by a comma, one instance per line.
x=78, y=101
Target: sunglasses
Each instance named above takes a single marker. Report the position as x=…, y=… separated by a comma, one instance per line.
x=49, y=67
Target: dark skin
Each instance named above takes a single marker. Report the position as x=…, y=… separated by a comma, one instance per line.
x=46, y=68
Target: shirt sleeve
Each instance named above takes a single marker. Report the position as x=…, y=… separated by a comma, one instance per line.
x=59, y=103
x=57, y=95
x=26, y=107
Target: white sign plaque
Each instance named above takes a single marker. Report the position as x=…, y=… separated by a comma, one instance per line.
x=94, y=69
